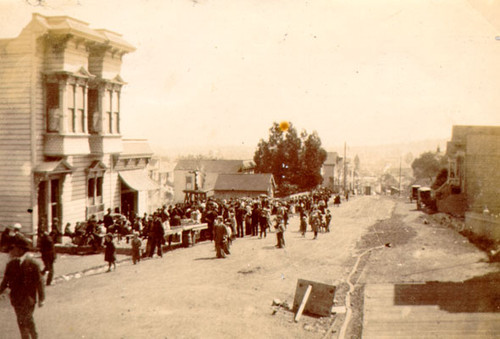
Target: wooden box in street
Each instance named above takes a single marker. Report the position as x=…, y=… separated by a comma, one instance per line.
x=320, y=300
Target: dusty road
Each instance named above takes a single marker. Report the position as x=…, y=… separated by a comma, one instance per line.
x=190, y=294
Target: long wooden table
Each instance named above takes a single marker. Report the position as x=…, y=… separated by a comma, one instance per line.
x=187, y=233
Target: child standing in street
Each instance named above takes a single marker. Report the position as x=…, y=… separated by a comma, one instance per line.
x=110, y=252
x=328, y=219
x=303, y=224
x=280, y=230
x=136, y=248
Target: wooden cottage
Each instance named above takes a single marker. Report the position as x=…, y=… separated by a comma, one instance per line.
x=244, y=185
x=197, y=177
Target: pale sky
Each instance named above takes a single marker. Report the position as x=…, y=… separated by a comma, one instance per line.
x=219, y=72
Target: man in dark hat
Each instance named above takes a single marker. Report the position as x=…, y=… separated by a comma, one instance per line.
x=23, y=277
x=158, y=237
x=221, y=238
x=48, y=252
x=108, y=220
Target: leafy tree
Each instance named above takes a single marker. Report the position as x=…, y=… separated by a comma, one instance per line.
x=441, y=178
x=294, y=160
x=387, y=180
x=313, y=157
x=427, y=165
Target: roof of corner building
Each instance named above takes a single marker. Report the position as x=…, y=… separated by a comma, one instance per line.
x=69, y=25
x=213, y=166
x=136, y=148
x=243, y=182
x=115, y=39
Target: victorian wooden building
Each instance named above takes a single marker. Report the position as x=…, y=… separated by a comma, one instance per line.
x=60, y=140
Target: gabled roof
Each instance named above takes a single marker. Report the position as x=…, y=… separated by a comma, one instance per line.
x=212, y=166
x=97, y=166
x=119, y=80
x=54, y=167
x=136, y=148
x=244, y=182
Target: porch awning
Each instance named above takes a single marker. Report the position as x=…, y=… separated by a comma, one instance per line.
x=138, y=180
x=54, y=167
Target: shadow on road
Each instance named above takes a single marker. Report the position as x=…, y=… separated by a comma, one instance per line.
x=479, y=294
x=209, y=258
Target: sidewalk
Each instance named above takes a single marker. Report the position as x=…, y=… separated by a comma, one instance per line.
x=68, y=267
x=71, y=266
x=432, y=283
x=435, y=310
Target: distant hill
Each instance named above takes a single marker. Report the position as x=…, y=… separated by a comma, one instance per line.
x=222, y=152
x=380, y=158
x=373, y=158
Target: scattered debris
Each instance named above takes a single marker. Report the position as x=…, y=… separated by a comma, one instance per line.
x=250, y=270
x=282, y=304
x=339, y=309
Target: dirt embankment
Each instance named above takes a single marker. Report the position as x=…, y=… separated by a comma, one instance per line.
x=415, y=247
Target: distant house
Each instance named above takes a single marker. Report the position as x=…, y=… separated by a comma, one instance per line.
x=331, y=171
x=244, y=185
x=473, y=182
x=199, y=176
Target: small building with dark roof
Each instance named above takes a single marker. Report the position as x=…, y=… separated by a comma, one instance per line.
x=193, y=175
x=244, y=185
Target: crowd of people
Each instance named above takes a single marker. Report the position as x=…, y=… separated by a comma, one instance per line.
x=226, y=220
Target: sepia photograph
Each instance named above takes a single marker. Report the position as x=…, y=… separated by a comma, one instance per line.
x=249, y=169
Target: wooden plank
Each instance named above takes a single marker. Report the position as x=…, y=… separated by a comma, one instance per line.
x=303, y=303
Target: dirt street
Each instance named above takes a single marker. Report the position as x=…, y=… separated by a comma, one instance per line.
x=191, y=294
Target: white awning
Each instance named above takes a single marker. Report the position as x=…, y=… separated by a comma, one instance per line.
x=138, y=180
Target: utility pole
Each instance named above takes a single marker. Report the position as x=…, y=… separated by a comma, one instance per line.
x=399, y=192
x=345, y=166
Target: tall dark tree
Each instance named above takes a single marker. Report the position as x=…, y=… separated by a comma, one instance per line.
x=313, y=157
x=294, y=160
x=387, y=180
x=292, y=148
x=427, y=165
x=270, y=155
